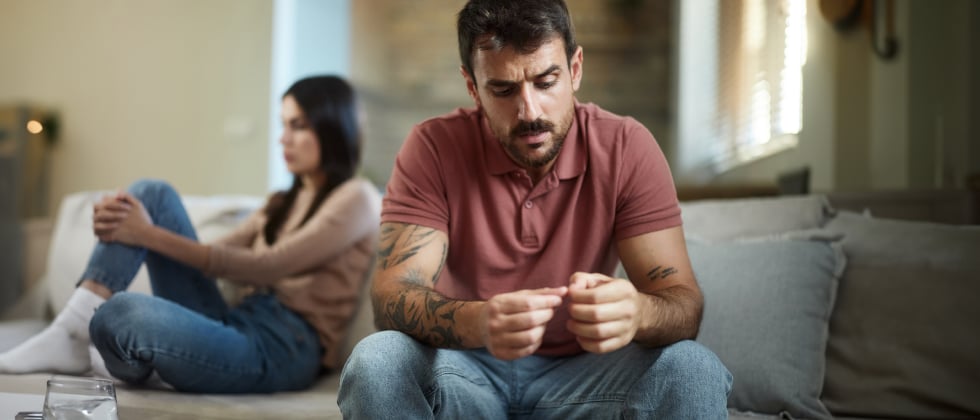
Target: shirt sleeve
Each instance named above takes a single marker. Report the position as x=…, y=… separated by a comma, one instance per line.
x=646, y=198
x=244, y=234
x=415, y=192
x=345, y=217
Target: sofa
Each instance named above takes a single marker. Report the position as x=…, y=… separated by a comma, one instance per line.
x=818, y=312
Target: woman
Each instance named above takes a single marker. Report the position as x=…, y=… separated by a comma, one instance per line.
x=306, y=255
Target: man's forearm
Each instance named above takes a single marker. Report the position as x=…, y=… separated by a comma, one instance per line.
x=672, y=314
x=428, y=316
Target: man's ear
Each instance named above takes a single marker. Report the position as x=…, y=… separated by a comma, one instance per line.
x=470, y=85
x=576, y=69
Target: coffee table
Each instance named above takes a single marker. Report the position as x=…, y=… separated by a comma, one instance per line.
x=13, y=403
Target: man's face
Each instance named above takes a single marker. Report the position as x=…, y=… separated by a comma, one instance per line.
x=528, y=99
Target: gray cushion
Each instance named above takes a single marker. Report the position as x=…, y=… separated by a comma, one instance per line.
x=904, y=339
x=767, y=304
x=751, y=217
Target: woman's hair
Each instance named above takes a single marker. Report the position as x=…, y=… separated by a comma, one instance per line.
x=521, y=24
x=328, y=102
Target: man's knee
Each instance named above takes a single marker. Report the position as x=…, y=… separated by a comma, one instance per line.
x=691, y=364
x=382, y=353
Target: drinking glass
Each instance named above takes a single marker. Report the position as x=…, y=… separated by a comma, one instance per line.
x=80, y=399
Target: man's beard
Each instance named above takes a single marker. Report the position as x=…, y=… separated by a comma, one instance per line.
x=537, y=126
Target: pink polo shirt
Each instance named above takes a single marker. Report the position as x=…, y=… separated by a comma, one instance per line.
x=610, y=182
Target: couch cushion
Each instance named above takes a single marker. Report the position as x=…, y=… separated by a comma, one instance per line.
x=751, y=217
x=904, y=339
x=73, y=240
x=767, y=304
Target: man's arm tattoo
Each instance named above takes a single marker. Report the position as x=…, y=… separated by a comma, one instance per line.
x=415, y=238
x=659, y=272
x=432, y=321
x=417, y=309
x=435, y=276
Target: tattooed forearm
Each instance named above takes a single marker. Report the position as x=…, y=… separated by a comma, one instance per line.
x=408, y=241
x=659, y=272
x=410, y=260
x=423, y=314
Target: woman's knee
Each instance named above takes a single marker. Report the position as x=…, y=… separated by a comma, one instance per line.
x=121, y=311
x=145, y=189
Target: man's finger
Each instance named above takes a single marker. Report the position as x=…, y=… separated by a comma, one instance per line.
x=521, y=321
x=529, y=300
x=604, y=291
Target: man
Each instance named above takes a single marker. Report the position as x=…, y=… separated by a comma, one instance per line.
x=500, y=228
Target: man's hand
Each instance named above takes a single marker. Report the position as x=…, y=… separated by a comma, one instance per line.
x=120, y=218
x=512, y=324
x=604, y=311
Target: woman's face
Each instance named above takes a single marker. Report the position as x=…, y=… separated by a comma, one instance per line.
x=300, y=147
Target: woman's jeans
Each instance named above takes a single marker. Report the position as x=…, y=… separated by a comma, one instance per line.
x=390, y=375
x=186, y=332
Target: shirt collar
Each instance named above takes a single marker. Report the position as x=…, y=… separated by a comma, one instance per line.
x=570, y=162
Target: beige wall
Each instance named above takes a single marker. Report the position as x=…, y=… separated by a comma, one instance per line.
x=175, y=89
x=875, y=124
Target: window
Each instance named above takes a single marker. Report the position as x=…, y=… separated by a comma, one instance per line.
x=741, y=81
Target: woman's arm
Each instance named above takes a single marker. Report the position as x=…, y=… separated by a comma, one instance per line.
x=350, y=213
x=122, y=218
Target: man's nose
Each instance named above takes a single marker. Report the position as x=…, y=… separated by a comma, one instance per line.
x=529, y=109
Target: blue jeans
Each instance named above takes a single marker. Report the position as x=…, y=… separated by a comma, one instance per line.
x=390, y=375
x=186, y=332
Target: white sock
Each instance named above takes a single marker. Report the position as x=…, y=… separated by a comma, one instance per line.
x=62, y=347
x=98, y=365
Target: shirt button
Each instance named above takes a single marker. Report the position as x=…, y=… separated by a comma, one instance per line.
x=527, y=204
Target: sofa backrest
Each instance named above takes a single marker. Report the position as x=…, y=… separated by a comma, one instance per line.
x=713, y=220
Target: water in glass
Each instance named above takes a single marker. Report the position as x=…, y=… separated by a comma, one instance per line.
x=80, y=399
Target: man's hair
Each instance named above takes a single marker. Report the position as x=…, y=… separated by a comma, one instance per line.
x=521, y=24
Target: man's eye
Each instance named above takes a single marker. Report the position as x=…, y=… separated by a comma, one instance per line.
x=545, y=85
x=503, y=92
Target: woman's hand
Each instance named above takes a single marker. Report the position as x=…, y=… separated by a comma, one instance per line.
x=121, y=218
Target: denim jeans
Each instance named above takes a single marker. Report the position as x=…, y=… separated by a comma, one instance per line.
x=390, y=375
x=186, y=332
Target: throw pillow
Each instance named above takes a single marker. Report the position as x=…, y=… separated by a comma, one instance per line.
x=767, y=305
x=904, y=339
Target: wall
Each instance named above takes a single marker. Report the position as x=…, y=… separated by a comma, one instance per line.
x=168, y=89
x=974, y=135
x=939, y=85
x=871, y=124
x=309, y=37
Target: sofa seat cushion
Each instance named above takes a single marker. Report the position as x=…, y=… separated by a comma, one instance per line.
x=767, y=305
x=18, y=331
x=904, y=339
